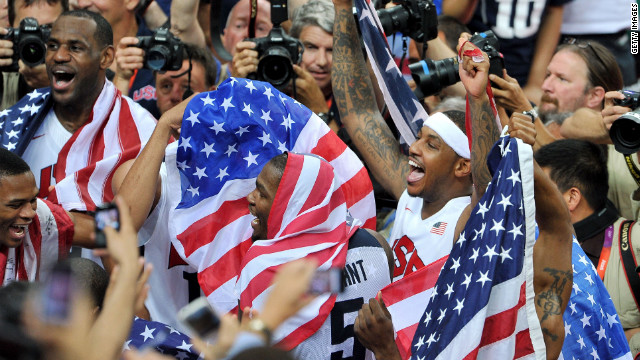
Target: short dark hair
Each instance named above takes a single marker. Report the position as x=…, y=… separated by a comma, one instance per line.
x=602, y=67
x=451, y=28
x=90, y=277
x=580, y=164
x=104, y=32
x=11, y=164
x=458, y=118
x=203, y=57
x=26, y=3
x=279, y=163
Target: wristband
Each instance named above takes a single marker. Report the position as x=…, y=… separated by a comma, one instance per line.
x=533, y=113
x=257, y=325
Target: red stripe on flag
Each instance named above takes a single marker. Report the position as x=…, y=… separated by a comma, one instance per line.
x=310, y=239
x=224, y=269
x=303, y=332
x=316, y=217
x=355, y=189
x=502, y=325
x=524, y=346
x=329, y=146
x=320, y=188
x=414, y=283
x=201, y=232
x=283, y=196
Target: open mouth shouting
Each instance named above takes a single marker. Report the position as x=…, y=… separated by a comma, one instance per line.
x=17, y=232
x=416, y=172
x=62, y=78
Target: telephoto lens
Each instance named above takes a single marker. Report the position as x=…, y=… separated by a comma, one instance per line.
x=625, y=131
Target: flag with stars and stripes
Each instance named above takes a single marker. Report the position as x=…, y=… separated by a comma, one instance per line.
x=482, y=304
x=405, y=109
x=592, y=328
x=227, y=136
x=115, y=132
x=162, y=338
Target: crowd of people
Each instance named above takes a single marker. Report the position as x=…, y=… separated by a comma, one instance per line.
x=267, y=170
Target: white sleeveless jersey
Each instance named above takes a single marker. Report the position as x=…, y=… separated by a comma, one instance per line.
x=173, y=282
x=416, y=242
x=366, y=272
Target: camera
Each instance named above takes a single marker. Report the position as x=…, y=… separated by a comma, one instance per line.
x=327, y=281
x=277, y=52
x=200, y=318
x=417, y=19
x=29, y=43
x=625, y=131
x=106, y=215
x=431, y=76
x=162, y=50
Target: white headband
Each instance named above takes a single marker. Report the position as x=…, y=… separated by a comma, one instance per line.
x=450, y=134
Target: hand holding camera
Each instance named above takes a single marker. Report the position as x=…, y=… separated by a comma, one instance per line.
x=128, y=57
x=28, y=44
x=508, y=93
x=245, y=59
x=625, y=122
x=162, y=50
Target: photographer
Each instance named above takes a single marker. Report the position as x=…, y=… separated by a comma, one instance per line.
x=312, y=24
x=579, y=170
x=130, y=59
x=17, y=84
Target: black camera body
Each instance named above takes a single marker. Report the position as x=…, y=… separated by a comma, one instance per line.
x=277, y=52
x=29, y=43
x=625, y=131
x=162, y=50
x=417, y=19
x=431, y=76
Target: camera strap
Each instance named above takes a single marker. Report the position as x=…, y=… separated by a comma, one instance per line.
x=629, y=260
x=215, y=27
x=633, y=169
x=252, y=18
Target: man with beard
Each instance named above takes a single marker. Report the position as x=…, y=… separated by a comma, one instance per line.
x=578, y=76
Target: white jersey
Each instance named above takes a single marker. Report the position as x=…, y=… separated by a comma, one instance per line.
x=173, y=282
x=43, y=149
x=366, y=272
x=416, y=242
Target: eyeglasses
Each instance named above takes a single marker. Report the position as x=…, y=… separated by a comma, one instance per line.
x=584, y=45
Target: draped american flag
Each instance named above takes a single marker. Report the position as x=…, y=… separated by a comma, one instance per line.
x=482, y=304
x=162, y=338
x=592, y=328
x=308, y=219
x=115, y=132
x=403, y=297
x=405, y=109
x=227, y=136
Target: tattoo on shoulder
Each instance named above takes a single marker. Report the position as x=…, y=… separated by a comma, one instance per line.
x=550, y=301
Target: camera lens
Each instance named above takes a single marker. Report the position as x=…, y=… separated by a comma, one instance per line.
x=625, y=132
x=32, y=51
x=157, y=57
x=275, y=66
x=431, y=76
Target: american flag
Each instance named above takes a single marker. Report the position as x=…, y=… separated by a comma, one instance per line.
x=227, y=136
x=438, y=228
x=115, y=132
x=592, y=328
x=162, y=338
x=405, y=109
x=403, y=297
x=479, y=304
x=308, y=219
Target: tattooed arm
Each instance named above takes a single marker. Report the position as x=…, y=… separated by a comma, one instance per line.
x=354, y=96
x=552, y=271
x=485, y=132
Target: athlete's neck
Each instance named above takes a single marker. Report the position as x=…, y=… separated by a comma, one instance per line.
x=75, y=114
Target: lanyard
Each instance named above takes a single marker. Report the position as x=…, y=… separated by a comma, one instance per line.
x=606, y=250
x=633, y=169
